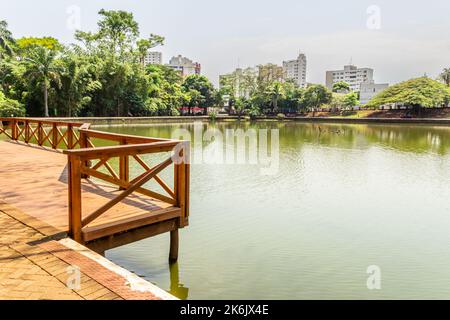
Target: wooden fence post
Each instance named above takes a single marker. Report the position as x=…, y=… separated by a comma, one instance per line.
x=27, y=131
x=40, y=134
x=74, y=175
x=54, y=136
x=69, y=137
x=14, y=129
x=83, y=145
x=124, y=167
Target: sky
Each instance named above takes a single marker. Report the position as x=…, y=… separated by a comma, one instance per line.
x=399, y=39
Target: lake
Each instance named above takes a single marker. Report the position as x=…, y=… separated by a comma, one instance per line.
x=344, y=198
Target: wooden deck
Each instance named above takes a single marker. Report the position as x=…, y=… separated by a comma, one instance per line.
x=63, y=186
x=42, y=193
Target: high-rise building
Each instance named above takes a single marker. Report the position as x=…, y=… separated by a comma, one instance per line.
x=296, y=70
x=153, y=57
x=184, y=65
x=352, y=75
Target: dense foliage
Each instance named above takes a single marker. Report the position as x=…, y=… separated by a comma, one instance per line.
x=103, y=75
x=419, y=92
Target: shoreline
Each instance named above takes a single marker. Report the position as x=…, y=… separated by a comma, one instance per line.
x=187, y=119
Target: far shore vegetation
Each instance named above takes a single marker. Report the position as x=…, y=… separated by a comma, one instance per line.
x=104, y=75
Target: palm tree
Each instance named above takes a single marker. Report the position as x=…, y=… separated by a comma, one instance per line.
x=445, y=76
x=41, y=66
x=6, y=39
x=275, y=92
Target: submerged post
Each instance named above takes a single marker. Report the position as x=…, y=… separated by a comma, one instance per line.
x=174, y=242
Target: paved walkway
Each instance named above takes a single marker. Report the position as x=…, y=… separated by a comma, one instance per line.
x=32, y=266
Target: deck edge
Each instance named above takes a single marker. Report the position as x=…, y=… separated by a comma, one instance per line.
x=136, y=283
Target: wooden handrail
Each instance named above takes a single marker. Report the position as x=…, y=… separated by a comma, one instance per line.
x=129, y=149
x=120, y=137
x=41, y=120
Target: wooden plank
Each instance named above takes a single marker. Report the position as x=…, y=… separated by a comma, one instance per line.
x=136, y=221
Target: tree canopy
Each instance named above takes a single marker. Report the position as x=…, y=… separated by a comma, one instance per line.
x=102, y=75
x=341, y=87
x=418, y=92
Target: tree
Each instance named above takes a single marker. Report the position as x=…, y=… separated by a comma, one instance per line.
x=205, y=97
x=117, y=30
x=10, y=107
x=143, y=45
x=6, y=39
x=77, y=84
x=338, y=101
x=28, y=43
x=165, y=92
x=292, y=97
x=417, y=93
x=351, y=100
x=341, y=87
x=104, y=75
x=445, y=76
x=316, y=95
x=40, y=66
x=275, y=92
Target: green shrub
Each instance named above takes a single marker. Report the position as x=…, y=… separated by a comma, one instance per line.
x=10, y=108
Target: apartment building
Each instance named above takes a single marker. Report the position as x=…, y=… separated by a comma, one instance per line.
x=153, y=57
x=296, y=70
x=352, y=75
x=185, y=66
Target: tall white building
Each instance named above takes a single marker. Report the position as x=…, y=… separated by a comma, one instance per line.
x=153, y=57
x=352, y=75
x=296, y=70
x=184, y=65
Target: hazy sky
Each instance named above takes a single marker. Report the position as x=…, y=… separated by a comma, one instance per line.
x=406, y=39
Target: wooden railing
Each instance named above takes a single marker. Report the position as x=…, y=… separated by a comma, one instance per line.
x=85, y=160
x=131, y=147
x=54, y=134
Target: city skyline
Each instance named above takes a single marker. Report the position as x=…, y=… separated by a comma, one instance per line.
x=224, y=36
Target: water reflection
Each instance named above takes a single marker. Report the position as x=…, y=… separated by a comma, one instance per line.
x=176, y=288
x=401, y=137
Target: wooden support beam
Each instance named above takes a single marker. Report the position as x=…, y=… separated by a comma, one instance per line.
x=106, y=243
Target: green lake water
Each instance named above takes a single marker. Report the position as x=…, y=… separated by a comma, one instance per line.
x=345, y=197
